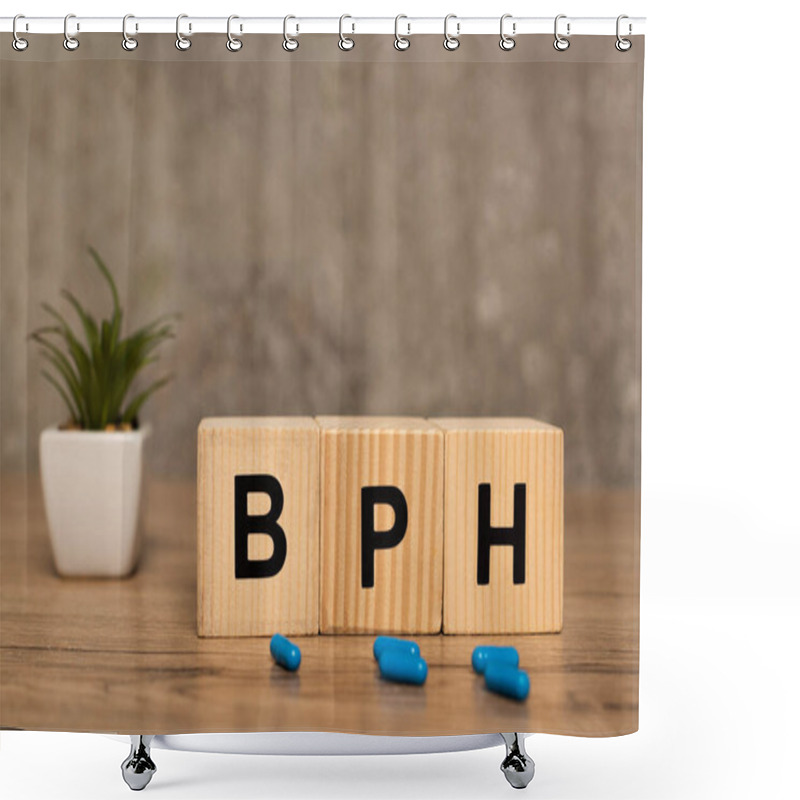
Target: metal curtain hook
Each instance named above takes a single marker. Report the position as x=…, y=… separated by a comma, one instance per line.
x=401, y=42
x=623, y=45
x=181, y=41
x=507, y=42
x=290, y=43
x=560, y=42
x=345, y=42
x=17, y=42
x=70, y=42
x=451, y=42
x=128, y=42
x=233, y=44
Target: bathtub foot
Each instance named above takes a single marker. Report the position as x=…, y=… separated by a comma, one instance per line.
x=517, y=766
x=138, y=768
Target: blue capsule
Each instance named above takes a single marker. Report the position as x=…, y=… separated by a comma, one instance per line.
x=284, y=652
x=382, y=643
x=481, y=656
x=507, y=680
x=397, y=665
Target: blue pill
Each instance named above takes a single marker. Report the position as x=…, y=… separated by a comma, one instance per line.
x=481, y=656
x=284, y=652
x=507, y=680
x=382, y=643
x=399, y=666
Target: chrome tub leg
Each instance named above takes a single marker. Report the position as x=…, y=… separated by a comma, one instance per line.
x=517, y=766
x=138, y=768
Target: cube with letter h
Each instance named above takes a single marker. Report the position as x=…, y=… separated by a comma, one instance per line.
x=258, y=526
x=381, y=525
x=504, y=526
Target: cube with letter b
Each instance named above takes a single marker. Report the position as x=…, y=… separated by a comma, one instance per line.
x=381, y=525
x=258, y=526
x=504, y=526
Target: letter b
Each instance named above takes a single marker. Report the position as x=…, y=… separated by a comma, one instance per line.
x=266, y=524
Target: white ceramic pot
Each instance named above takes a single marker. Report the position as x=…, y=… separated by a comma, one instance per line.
x=92, y=483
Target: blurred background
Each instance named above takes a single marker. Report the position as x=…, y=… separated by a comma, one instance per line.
x=374, y=258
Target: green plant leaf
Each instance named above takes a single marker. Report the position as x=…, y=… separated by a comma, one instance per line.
x=88, y=322
x=60, y=389
x=133, y=408
x=87, y=374
x=52, y=354
x=107, y=275
x=97, y=373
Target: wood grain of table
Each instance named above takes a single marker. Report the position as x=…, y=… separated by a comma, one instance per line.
x=123, y=655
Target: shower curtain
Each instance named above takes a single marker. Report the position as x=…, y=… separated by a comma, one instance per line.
x=420, y=234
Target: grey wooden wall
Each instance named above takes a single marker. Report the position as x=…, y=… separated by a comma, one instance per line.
x=372, y=232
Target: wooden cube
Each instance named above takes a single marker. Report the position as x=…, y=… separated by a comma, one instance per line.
x=504, y=526
x=258, y=526
x=381, y=525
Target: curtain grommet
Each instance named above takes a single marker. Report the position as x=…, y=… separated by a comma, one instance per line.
x=401, y=43
x=561, y=43
x=346, y=43
x=234, y=44
x=129, y=43
x=507, y=41
x=290, y=43
x=71, y=42
x=17, y=42
x=451, y=42
x=622, y=44
x=183, y=43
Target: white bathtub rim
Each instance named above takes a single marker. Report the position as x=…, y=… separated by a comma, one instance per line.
x=319, y=743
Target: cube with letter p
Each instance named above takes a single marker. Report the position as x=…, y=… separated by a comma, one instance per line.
x=258, y=526
x=504, y=526
x=381, y=525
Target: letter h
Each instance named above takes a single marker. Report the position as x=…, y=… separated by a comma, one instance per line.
x=489, y=536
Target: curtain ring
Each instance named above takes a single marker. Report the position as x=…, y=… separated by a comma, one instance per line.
x=70, y=42
x=560, y=43
x=451, y=42
x=507, y=42
x=623, y=45
x=290, y=43
x=128, y=42
x=17, y=42
x=181, y=41
x=233, y=44
x=401, y=42
x=345, y=42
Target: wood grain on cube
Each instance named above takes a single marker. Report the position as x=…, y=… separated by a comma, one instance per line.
x=359, y=452
x=286, y=448
x=502, y=453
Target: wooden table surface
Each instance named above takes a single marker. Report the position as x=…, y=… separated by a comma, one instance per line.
x=123, y=656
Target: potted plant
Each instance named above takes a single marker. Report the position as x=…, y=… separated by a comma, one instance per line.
x=91, y=465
